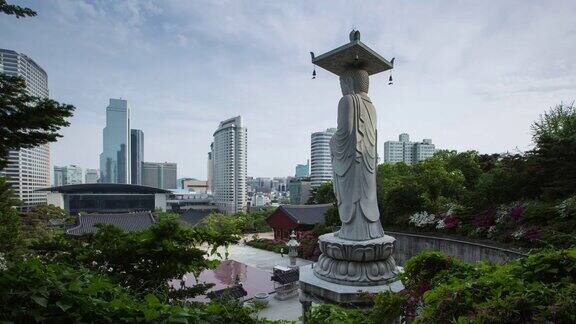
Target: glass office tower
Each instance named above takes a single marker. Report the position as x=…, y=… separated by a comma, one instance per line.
x=115, y=159
x=137, y=155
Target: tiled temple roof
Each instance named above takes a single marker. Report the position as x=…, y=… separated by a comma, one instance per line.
x=129, y=222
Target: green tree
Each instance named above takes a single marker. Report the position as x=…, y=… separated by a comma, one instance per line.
x=27, y=121
x=549, y=169
x=144, y=261
x=402, y=200
x=440, y=185
x=499, y=185
x=466, y=162
x=324, y=194
x=332, y=217
x=557, y=124
x=15, y=10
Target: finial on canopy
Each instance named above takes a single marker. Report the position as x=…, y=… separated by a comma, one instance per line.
x=354, y=36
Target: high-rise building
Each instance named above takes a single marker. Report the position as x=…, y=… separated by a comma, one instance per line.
x=408, y=152
x=299, y=189
x=303, y=170
x=92, y=176
x=58, y=176
x=73, y=174
x=229, y=154
x=16, y=64
x=137, y=154
x=66, y=175
x=321, y=159
x=159, y=175
x=210, y=179
x=28, y=169
x=115, y=158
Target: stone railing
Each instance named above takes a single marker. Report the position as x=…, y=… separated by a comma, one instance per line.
x=408, y=245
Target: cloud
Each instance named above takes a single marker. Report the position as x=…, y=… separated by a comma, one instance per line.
x=468, y=75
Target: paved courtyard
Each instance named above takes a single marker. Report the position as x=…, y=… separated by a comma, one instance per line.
x=266, y=260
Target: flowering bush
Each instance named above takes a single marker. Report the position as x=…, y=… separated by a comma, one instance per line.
x=422, y=219
x=517, y=211
x=567, y=208
x=440, y=224
x=485, y=219
x=3, y=263
x=450, y=222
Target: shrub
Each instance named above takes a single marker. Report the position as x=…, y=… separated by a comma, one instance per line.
x=539, y=288
x=269, y=245
x=334, y=314
x=33, y=291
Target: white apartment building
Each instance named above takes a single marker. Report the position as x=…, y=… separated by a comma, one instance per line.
x=27, y=169
x=229, y=160
x=92, y=176
x=408, y=152
x=320, y=157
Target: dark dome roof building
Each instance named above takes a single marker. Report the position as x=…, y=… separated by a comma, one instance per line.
x=106, y=198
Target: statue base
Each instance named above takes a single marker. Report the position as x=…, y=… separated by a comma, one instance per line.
x=311, y=287
x=356, y=263
x=349, y=270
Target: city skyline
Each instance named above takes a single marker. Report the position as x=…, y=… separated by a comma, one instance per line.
x=440, y=75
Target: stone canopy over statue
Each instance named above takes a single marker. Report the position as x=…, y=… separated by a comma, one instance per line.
x=359, y=254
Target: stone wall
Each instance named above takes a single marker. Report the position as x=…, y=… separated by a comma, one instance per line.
x=408, y=245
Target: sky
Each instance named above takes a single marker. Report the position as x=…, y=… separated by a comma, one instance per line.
x=470, y=75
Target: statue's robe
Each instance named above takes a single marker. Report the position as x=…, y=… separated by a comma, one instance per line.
x=354, y=163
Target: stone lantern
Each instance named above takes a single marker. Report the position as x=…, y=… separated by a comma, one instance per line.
x=293, y=249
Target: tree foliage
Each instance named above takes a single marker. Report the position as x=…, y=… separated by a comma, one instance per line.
x=143, y=261
x=35, y=291
x=27, y=121
x=324, y=194
x=240, y=223
x=18, y=11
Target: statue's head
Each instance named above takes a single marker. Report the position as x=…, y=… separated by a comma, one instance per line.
x=354, y=81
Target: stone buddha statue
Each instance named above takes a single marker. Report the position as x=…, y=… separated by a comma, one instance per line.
x=359, y=254
x=354, y=159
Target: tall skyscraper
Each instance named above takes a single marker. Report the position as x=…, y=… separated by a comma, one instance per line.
x=92, y=176
x=137, y=154
x=229, y=154
x=27, y=169
x=115, y=157
x=210, y=178
x=408, y=152
x=303, y=170
x=58, y=176
x=321, y=159
x=159, y=175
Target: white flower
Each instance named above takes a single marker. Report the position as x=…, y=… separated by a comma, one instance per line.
x=422, y=219
x=3, y=262
x=502, y=214
x=440, y=224
x=566, y=207
x=519, y=234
